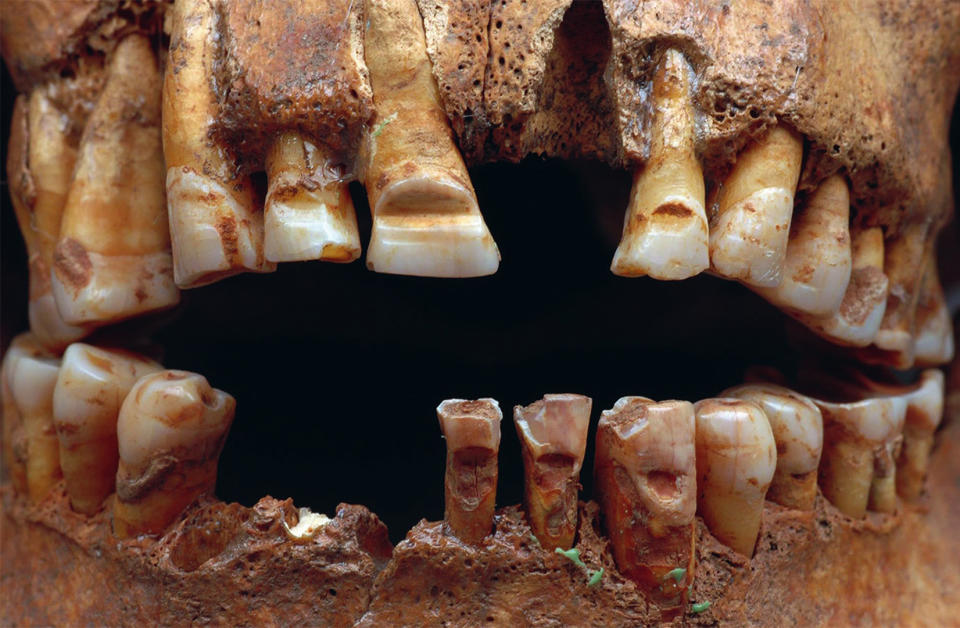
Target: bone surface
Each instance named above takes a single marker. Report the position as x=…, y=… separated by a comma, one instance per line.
x=933, y=339
x=171, y=429
x=472, y=432
x=665, y=227
x=32, y=378
x=553, y=438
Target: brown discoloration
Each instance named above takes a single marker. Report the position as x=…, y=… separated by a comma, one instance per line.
x=867, y=288
x=72, y=263
x=673, y=210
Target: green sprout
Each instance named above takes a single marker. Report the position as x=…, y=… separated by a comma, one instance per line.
x=383, y=124
x=677, y=574
x=573, y=555
x=699, y=607
x=595, y=578
x=534, y=540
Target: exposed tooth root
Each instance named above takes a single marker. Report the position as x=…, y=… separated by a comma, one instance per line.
x=748, y=233
x=924, y=413
x=171, y=429
x=472, y=432
x=91, y=386
x=216, y=227
x=933, y=342
x=553, y=437
x=308, y=213
x=426, y=220
x=904, y=266
x=645, y=476
x=665, y=228
x=798, y=431
x=14, y=435
x=736, y=461
x=32, y=378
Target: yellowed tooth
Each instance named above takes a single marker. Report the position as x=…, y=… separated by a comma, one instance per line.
x=933, y=339
x=665, y=227
x=748, y=232
x=904, y=266
x=171, y=430
x=14, y=434
x=32, y=378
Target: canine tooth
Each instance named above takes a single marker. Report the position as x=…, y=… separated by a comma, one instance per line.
x=665, y=228
x=645, y=476
x=32, y=378
x=171, y=430
x=426, y=221
x=933, y=341
x=91, y=386
x=472, y=432
x=553, y=437
x=216, y=227
x=308, y=213
x=748, y=233
x=736, y=461
x=904, y=266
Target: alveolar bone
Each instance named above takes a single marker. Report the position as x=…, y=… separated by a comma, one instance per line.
x=933, y=338
x=32, y=378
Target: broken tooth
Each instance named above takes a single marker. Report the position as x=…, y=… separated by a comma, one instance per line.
x=933, y=340
x=91, y=386
x=32, y=378
x=665, y=228
x=748, y=232
x=472, y=432
x=171, y=430
x=736, y=461
x=553, y=438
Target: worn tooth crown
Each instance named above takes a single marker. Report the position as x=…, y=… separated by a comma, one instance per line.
x=32, y=379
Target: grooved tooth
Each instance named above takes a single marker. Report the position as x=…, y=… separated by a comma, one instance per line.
x=748, y=233
x=472, y=432
x=933, y=342
x=904, y=266
x=14, y=435
x=32, y=378
x=171, y=430
x=553, y=437
x=736, y=461
x=426, y=221
x=90, y=388
x=665, y=227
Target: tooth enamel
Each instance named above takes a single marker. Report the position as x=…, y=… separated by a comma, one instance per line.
x=426, y=221
x=553, y=438
x=736, y=461
x=90, y=388
x=472, y=432
x=665, y=228
x=171, y=430
x=14, y=436
x=748, y=233
x=933, y=341
x=645, y=477
x=308, y=213
x=32, y=378
x=904, y=265
x=798, y=432
x=308, y=525
x=215, y=227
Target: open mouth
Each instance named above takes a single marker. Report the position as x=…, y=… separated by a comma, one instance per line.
x=685, y=448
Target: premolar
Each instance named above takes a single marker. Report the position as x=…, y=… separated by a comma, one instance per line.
x=33, y=375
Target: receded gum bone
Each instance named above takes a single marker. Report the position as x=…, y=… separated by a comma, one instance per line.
x=32, y=378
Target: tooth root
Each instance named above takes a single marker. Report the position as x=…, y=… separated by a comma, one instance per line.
x=748, y=234
x=665, y=228
x=472, y=432
x=426, y=220
x=904, y=266
x=924, y=413
x=14, y=436
x=216, y=227
x=933, y=342
x=308, y=213
x=646, y=483
x=170, y=432
x=32, y=378
x=90, y=388
x=736, y=461
x=553, y=438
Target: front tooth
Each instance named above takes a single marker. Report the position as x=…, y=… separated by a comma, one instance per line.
x=553, y=437
x=14, y=436
x=472, y=432
x=90, y=388
x=171, y=429
x=933, y=342
x=665, y=228
x=426, y=220
x=308, y=213
x=748, y=233
x=736, y=461
x=32, y=378
x=645, y=476
x=904, y=266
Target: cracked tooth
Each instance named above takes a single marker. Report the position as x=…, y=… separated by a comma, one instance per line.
x=14, y=436
x=904, y=266
x=736, y=461
x=553, y=437
x=426, y=221
x=33, y=375
x=665, y=228
x=216, y=227
x=933, y=342
x=472, y=432
x=748, y=233
x=171, y=430
x=91, y=386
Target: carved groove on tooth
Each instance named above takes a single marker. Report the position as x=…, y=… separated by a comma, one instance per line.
x=32, y=379
x=933, y=340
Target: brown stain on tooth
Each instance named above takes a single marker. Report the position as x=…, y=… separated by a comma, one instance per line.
x=70, y=258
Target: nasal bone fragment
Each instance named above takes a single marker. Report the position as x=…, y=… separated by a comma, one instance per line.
x=32, y=379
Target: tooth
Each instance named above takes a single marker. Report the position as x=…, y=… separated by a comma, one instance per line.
x=645, y=477
x=308, y=213
x=798, y=432
x=904, y=265
x=14, y=437
x=933, y=342
x=665, y=229
x=736, y=460
x=553, y=437
x=170, y=431
x=748, y=234
x=472, y=432
x=91, y=386
x=426, y=221
x=216, y=227
x=32, y=378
